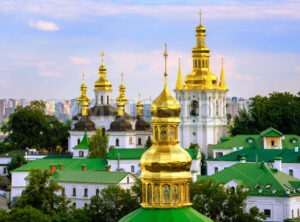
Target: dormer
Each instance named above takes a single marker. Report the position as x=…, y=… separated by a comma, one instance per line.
x=272, y=138
x=82, y=149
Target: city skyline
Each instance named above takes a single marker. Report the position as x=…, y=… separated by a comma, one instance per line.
x=60, y=40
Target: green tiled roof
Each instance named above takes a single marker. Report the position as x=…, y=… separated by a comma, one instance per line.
x=258, y=175
x=271, y=132
x=84, y=144
x=67, y=163
x=136, y=154
x=243, y=140
x=165, y=215
x=97, y=177
x=266, y=155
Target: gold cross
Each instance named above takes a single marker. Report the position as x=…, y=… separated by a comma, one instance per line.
x=139, y=97
x=165, y=55
x=122, y=75
x=222, y=60
x=179, y=61
x=102, y=55
x=200, y=13
x=83, y=75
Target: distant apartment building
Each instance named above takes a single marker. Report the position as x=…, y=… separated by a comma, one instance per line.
x=234, y=104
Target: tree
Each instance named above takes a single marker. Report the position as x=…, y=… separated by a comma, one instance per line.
x=278, y=110
x=98, y=144
x=137, y=189
x=30, y=127
x=112, y=204
x=148, y=143
x=27, y=214
x=40, y=193
x=220, y=204
x=15, y=163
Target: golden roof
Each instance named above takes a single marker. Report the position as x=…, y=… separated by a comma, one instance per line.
x=222, y=83
x=122, y=98
x=102, y=83
x=83, y=88
x=139, y=107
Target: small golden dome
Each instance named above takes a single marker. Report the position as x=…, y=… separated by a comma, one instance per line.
x=102, y=83
x=122, y=99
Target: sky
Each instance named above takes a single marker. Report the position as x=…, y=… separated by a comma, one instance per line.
x=45, y=45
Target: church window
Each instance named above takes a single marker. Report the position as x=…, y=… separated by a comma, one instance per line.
x=194, y=121
x=163, y=133
x=156, y=133
x=101, y=99
x=78, y=141
x=194, y=107
x=117, y=142
x=267, y=212
x=179, y=98
x=156, y=193
x=175, y=194
x=97, y=192
x=132, y=169
x=292, y=213
x=63, y=191
x=171, y=133
x=107, y=99
x=149, y=193
x=4, y=170
x=139, y=141
x=291, y=173
x=182, y=193
x=217, y=109
x=85, y=205
x=85, y=192
x=74, y=205
x=166, y=194
x=216, y=170
x=132, y=172
x=74, y=192
x=298, y=213
x=194, y=133
x=80, y=153
x=273, y=143
x=130, y=140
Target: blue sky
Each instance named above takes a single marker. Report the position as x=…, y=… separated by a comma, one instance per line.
x=45, y=45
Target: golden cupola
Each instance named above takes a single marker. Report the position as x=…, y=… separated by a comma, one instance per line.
x=122, y=98
x=83, y=96
x=165, y=166
x=201, y=74
x=139, y=107
x=102, y=84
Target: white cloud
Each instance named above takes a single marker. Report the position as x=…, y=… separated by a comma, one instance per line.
x=43, y=25
x=297, y=69
x=49, y=74
x=79, y=60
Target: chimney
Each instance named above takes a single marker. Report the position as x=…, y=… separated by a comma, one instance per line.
x=234, y=149
x=107, y=168
x=52, y=168
x=60, y=166
x=83, y=167
x=296, y=149
x=277, y=163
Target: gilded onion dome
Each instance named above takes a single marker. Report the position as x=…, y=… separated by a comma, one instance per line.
x=83, y=96
x=139, y=107
x=122, y=98
x=102, y=83
x=165, y=166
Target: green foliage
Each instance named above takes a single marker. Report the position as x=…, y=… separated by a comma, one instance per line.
x=148, y=143
x=30, y=127
x=137, y=189
x=112, y=204
x=194, y=146
x=98, y=145
x=279, y=110
x=15, y=163
x=40, y=193
x=27, y=214
x=220, y=204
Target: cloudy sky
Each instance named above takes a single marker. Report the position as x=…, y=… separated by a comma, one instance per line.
x=45, y=45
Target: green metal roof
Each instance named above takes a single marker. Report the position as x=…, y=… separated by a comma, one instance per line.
x=96, y=177
x=243, y=140
x=257, y=176
x=67, y=163
x=84, y=143
x=136, y=154
x=259, y=155
x=165, y=215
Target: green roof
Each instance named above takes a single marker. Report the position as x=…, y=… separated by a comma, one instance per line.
x=84, y=144
x=97, y=177
x=271, y=132
x=259, y=155
x=67, y=163
x=257, y=176
x=136, y=153
x=165, y=215
x=257, y=140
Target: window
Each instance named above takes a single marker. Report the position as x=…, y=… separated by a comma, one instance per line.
x=85, y=205
x=132, y=168
x=171, y=133
x=194, y=108
x=78, y=141
x=101, y=99
x=85, y=192
x=74, y=192
x=194, y=133
x=107, y=99
x=80, y=153
x=74, y=205
x=298, y=213
x=292, y=213
x=291, y=173
x=97, y=192
x=117, y=142
x=216, y=169
x=219, y=154
x=4, y=170
x=127, y=179
x=273, y=143
x=139, y=141
x=267, y=212
x=163, y=133
x=63, y=191
x=130, y=140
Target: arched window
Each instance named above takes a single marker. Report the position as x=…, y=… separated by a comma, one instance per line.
x=166, y=194
x=117, y=142
x=149, y=193
x=216, y=170
x=156, y=194
x=101, y=99
x=80, y=153
x=291, y=173
x=175, y=194
x=194, y=108
x=163, y=133
x=139, y=141
x=171, y=133
x=78, y=141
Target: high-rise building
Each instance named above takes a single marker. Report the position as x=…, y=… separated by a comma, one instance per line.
x=2, y=108
x=235, y=104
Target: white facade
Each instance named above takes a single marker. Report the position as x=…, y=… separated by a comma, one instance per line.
x=4, y=161
x=76, y=137
x=203, y=117
x=128, y=139
x=103, y=97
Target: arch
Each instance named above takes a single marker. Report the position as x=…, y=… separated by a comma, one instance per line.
x=166, y=194
x=156, y=193
x=163, y=133
x=194, y=108
x=149, y=191
x=156, y=133
x=117, y=142
x=171, y=133
x=175, y=194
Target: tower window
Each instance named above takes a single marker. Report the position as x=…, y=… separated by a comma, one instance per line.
x=163, y=133
x=117, y=142
x=171, y=133
x=101, y=99
x=78, y=141
x=107, y=99
x=128, y=178
x=139, y=141
x=194, y=107
x=273, y=143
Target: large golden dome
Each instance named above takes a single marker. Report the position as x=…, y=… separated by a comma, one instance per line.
x=102, y=83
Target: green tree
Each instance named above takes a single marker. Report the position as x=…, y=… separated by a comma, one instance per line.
x=30, y=127
x=278, y=110
x=98, y=144
x=112, y=204
x=40, y=193
x=137, y=189
x=27, y=214
x=15, y=163
x=148, y=143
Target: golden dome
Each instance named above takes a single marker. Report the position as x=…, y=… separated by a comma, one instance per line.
x=122, y=98
x=102, y=83
x=83, y=88
x=139, y=107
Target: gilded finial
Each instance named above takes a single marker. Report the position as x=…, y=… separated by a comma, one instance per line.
x=122, y=76
x=83, y=75
x=222, y=59
x=139, y=97
x=165, y=55
x=102, y=55
x=200, y=13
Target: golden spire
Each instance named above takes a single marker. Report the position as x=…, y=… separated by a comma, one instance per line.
x=122, y=99
x=102, y=83
x=222, y=83
x=83, y=95
x=200, y=13
x=179, y=83
x=165, y=166
x=139, y=107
